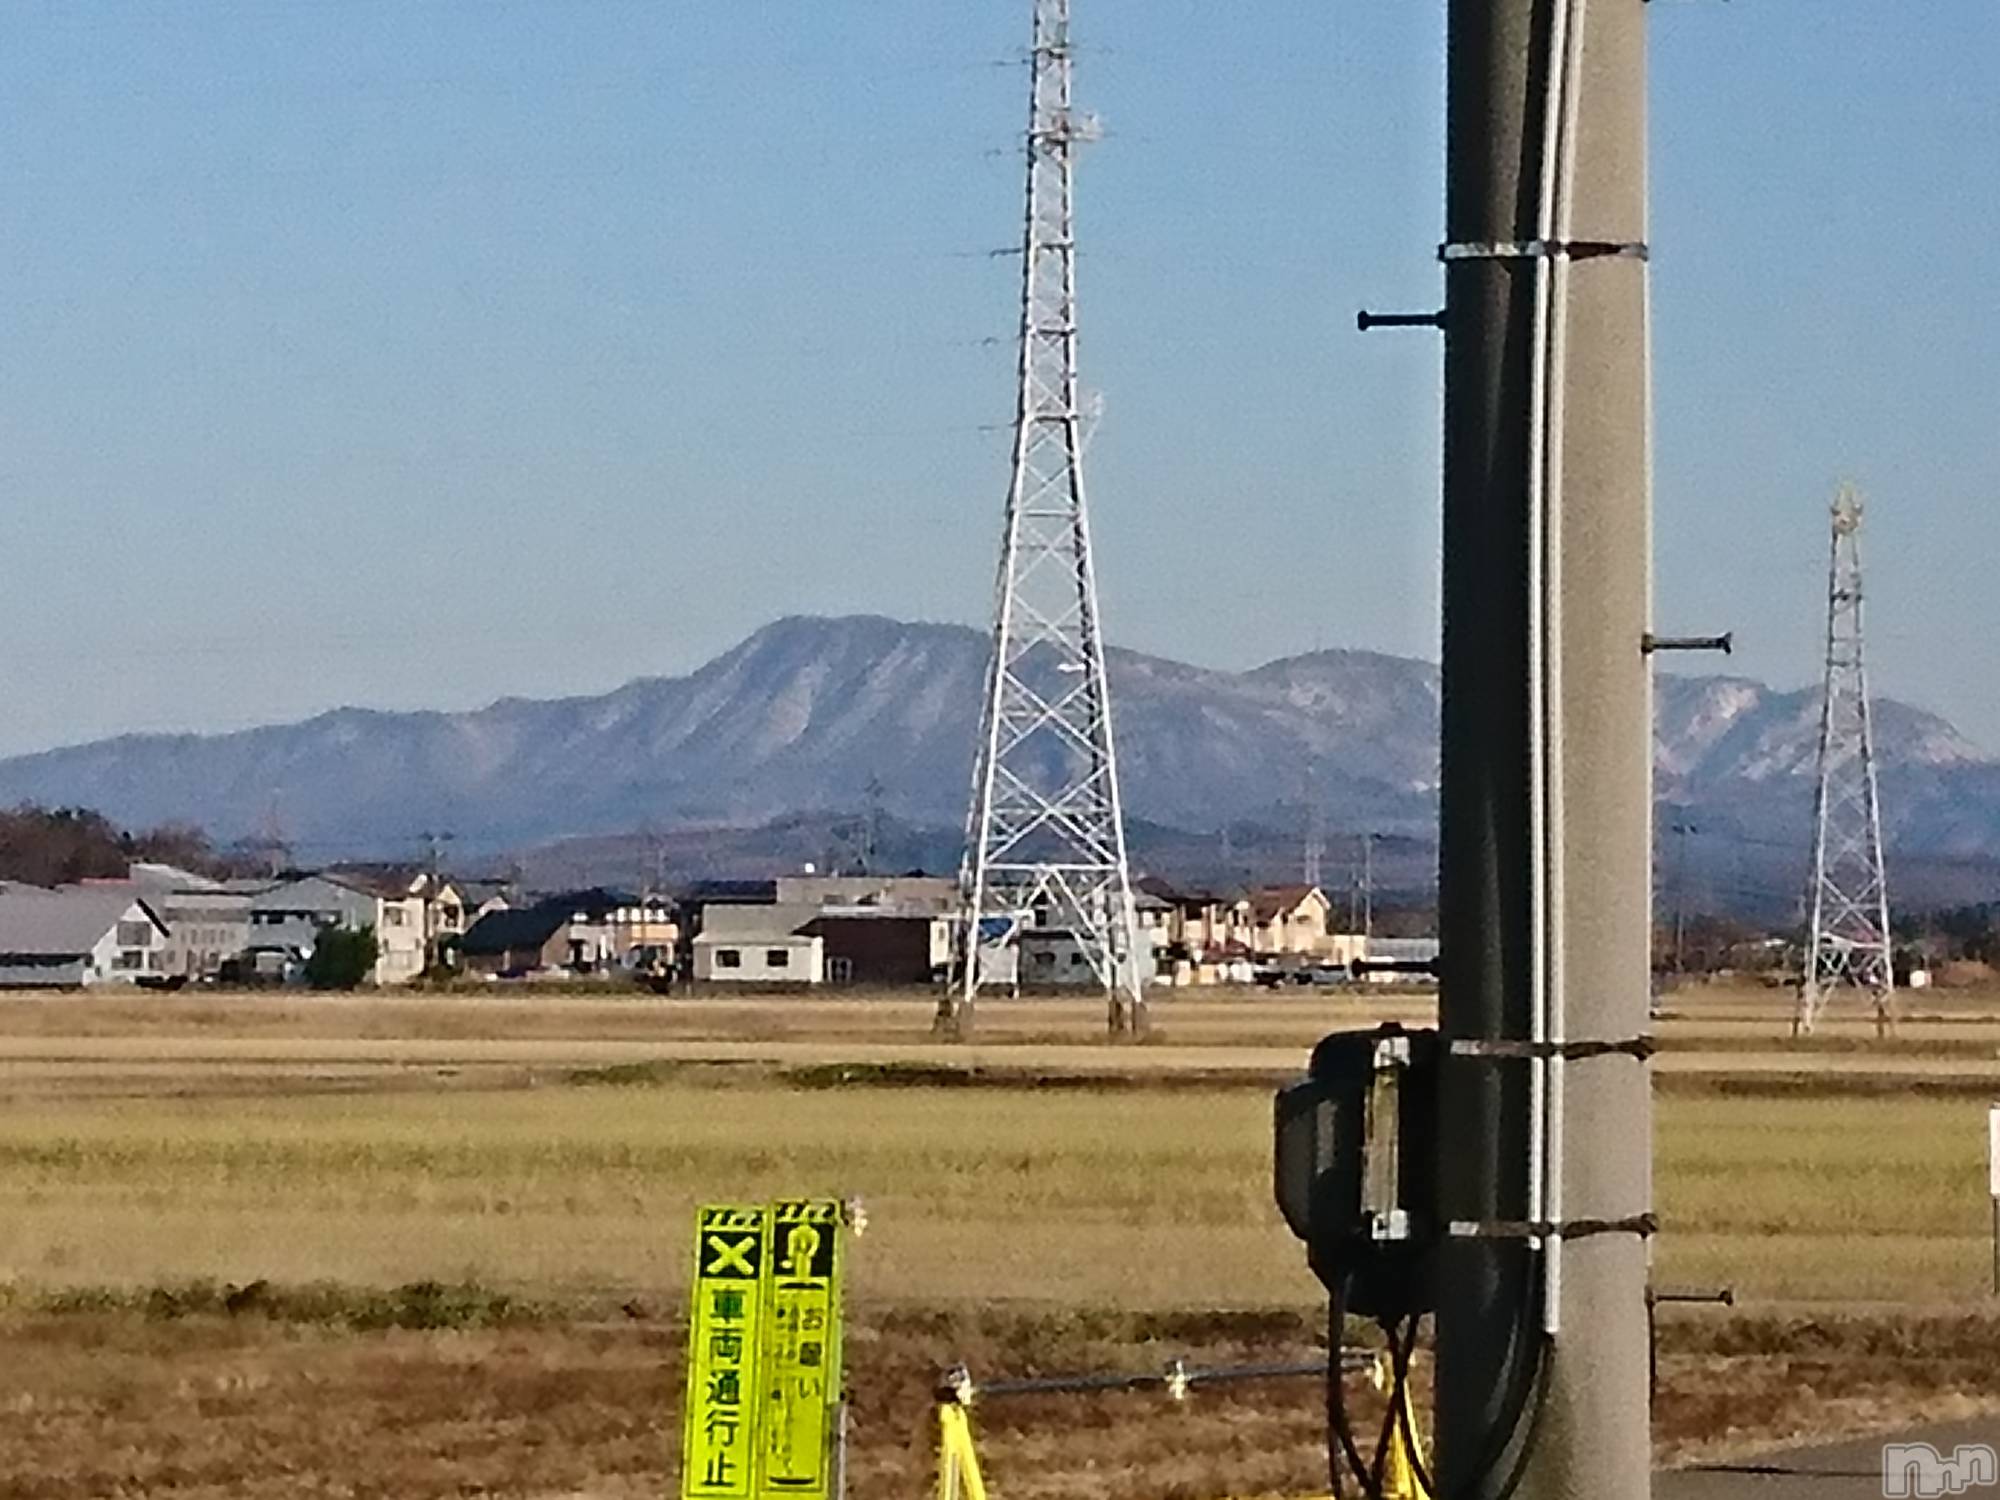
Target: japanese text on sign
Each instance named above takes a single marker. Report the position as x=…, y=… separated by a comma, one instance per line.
x=725, y=1347
x=801, y=1348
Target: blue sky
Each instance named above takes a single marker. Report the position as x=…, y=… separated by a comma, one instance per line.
x=417, y=354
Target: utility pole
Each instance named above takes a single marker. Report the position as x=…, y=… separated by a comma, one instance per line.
x=1849, y=940
x=1312, y=866
x=871, y=835
x=1680, y=829
x=1545, y=818
x=1367, y=888
x=434, y=842
x=1045, y=835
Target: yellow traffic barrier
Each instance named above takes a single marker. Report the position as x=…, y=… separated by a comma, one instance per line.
x=960, y=1477
x=958, y=1461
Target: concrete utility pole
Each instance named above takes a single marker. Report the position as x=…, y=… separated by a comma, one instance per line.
x=1545, y=881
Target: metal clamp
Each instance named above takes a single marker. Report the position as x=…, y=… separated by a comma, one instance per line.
x=1640, y=1047
x=1543, y=250
x=1645, y=1226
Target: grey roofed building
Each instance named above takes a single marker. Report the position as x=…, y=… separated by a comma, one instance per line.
x=77, y=935
x=751, y=924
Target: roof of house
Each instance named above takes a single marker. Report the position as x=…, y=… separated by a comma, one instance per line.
x=505, y=930
x=597, y=901
x=60, y=923
x=284, y=895
x=737, y=892
x=390, y=882
x=1274, y=900
x=722, y=923
x=1173, y=895
x=157, y=876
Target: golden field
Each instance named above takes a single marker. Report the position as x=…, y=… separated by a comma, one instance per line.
x=1039, y=1200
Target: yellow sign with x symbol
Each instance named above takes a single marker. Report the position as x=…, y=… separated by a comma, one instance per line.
x=732, y=1257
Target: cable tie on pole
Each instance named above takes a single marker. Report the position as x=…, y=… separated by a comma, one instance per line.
x=1640, y=1047
x=1645, y=1226
x=1462, y=250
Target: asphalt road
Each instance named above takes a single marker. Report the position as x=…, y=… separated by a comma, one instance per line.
x=1835, y=1471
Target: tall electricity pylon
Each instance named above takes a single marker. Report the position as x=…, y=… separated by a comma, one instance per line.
x=1045, y=837
x=1849, y=936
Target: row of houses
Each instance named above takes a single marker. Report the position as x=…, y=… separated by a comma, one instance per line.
x=903, y=930
x=163, y=925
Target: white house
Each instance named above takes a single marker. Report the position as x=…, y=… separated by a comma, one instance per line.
x=1054, y=957
x=208, y=921
x=78, y=936
x=759, y=945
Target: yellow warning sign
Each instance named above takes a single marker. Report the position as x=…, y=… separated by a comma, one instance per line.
x=801, y=1366
x=725, y=1354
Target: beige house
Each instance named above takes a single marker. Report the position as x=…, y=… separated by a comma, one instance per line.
x=1290, y=919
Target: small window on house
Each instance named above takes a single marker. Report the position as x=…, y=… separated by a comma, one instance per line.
x=392, y=916
x=777, y=958
x=728, y=958
x=1075, y=960
x=135, y=934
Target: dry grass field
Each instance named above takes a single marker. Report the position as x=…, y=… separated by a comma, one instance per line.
x=263, y=1246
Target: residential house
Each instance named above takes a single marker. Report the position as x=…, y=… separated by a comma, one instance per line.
x=760, y=944
x=440, y=909
x=617, y=930
x=517, y=941
x=642, y=933
x=1288, y=920
x=444, y=916
x=878, y=929
x=1053, y=957
x=1199, y=937
x=288, y=917
x=478, y=897
x=78, y=936
x=208, y=921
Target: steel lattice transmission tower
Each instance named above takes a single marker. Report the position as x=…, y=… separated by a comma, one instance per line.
x=1848, y=941
x=1045, y=837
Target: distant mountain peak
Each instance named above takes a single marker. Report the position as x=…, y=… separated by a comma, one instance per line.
x=804, y=713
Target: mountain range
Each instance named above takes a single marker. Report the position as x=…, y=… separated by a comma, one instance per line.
x=813, y=716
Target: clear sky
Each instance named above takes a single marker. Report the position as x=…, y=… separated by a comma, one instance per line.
x=417, y=354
